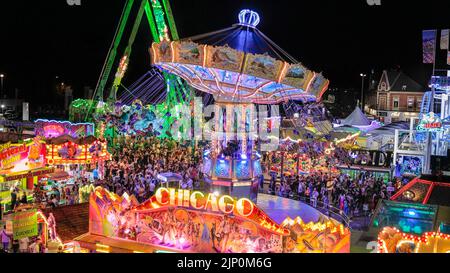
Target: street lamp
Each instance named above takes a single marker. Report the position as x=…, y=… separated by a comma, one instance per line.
x=1, y=78
x=3, y=107
x=362, y=89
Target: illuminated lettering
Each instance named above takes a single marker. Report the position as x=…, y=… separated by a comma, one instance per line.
x=240, y=206
x=186, y=198
x=212, y=201
x=223, y=204
x=158, y=195
x=198, y=200
x=194, y=200
x=180, y=198
x=172, y=196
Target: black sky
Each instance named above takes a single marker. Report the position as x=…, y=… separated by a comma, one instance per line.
x=42, y=39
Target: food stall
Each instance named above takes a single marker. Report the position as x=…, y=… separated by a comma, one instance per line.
x=21, y=165
x=79, y=156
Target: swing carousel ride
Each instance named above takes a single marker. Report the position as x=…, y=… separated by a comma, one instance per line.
x=240, y=67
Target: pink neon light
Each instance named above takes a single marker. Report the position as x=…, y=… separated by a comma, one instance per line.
x=310, y=82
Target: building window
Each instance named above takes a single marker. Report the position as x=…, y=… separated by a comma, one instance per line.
x=404, y=87
x=419, y=102
x=410, y=103
x=395, y=103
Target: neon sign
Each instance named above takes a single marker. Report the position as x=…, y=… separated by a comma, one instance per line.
x=430, y=122
x=199, y=201
x=53, y=128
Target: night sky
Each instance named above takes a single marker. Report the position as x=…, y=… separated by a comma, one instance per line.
x=40, y=40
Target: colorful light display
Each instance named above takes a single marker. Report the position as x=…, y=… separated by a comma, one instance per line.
x=392, y=240
x=320, y=237
x=193, y=221
x=430, y=122
x=72, y=153
x=53, y=128
x=218, y=71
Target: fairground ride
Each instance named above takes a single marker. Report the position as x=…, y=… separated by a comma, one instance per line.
x=240, y=67
x=162, y=26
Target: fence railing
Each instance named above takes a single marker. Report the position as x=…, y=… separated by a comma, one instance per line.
x=322, y=207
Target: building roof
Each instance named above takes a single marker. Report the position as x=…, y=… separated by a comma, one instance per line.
x=396, y=80
x=356, y=118
x=71, y=221
x=390, y=128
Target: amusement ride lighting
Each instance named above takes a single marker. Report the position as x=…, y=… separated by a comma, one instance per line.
x=249, y=18
x=409, y=195
x=411, y=213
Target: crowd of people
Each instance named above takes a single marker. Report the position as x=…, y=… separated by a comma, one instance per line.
x=136, y=163
x=23, y=245
x=353, y=197
x=54, y=196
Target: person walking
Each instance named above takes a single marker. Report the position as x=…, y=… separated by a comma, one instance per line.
x=6, y=238
x=300, y=189
x=23, y=245
x=15, y=246
x=314, y=197
x=13, y=199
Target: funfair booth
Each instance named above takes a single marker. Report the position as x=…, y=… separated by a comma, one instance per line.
x=21, y=165
x=177, y=220
x=72, y=154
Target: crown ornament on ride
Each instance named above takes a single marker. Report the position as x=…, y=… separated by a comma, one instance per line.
x=248, y=18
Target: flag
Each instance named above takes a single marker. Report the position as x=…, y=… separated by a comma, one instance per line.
x=429, y=45
x=444, y=39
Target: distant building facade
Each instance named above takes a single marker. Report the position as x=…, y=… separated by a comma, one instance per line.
x=397, y=97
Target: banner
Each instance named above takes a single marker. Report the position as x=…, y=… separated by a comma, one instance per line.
x=444, y=39
x=429, y=45
x=18, y=157
x=448, y=62
x=25, y=224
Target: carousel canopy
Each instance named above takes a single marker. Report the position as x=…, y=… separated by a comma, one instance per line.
x=239, y=64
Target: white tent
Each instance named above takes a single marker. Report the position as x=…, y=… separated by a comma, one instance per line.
x=356, y=118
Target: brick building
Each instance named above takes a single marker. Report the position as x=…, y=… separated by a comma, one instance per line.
x=396, y=98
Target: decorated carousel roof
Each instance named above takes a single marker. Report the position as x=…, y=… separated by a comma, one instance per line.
x=239, y=64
